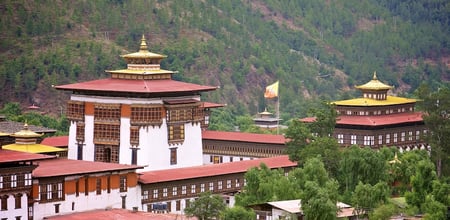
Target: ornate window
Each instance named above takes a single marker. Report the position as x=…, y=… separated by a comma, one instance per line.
x=123, y=183
x=107, y=153
x=193, y=188
x=52, y=191
x=202, y=187
x=340, y=138
x=18, y=201
x=146, y=114
x=174, y=191
x=183, y=190
x=410, y=135
x=403, y=136
x=106, y=133
x=173, y=156
x=155, y=193
x=388, y=138
x=98, y=186
x=107, y=112
x=211, y=186
x=134, y=135
x=4, y=202
x=176, y=133
x=228, y=184
x=395, y=137
x=164, y=192
x=145, y=195
x=380, y=139
x=75, y=110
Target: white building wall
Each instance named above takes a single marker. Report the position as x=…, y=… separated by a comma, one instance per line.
x=125, y=151
x=72, y=145
x=89, y=147
x=92, y=201
x=12, y=212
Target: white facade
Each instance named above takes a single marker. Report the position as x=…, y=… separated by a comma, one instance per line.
x=82, y=202
x=154, y=148
x=12, y=212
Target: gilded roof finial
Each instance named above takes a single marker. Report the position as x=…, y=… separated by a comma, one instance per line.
x=375, y=75
x=143, y=47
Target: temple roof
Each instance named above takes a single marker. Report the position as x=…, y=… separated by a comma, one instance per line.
x=8, y=156
x=32, y=148
x=374, y=84
x=390, y=100
x=26, y=133
x=64, y=167
x=213, y=170
x=136, y=86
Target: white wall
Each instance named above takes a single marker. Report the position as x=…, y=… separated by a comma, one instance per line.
x=12, y=212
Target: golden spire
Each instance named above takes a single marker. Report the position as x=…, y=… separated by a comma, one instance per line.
x=375, y=75
x=143, y=47
x=374, y=84
x=395, y=160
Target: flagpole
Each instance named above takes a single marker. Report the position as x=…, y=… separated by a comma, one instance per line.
x=278, y=111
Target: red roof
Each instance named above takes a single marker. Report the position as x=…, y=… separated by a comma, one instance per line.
x=380, y=120
x=63, y=167
x=212, y=105
x=243, y=137
x=213, y=169
x=119, y=214
x=59, y=141
x=136, y=86
x=374, y=120
x=7, y=156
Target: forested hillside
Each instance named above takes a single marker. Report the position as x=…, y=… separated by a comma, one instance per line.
x=317, y=49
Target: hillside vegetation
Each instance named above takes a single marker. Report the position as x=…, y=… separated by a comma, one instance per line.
x=317, y=49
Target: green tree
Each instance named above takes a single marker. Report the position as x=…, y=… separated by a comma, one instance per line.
x=436, y=106
x=11, y=110
x=366, y=197
x=238, y=213
x=207, y=206
x=299, y=136
x=421, y=184
x=434, y=209
x=383, y=212
x=325, y=120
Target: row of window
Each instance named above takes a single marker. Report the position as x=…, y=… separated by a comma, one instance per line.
x=17, y=201
x=55, y=191
x=193, y=189
x=17, y=180
x=263, y=151
x=376, y=112
x=369, y=140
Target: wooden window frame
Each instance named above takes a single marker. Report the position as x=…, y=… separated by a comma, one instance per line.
x=123, y=183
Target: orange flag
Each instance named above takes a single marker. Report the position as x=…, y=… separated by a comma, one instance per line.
x=271, y=91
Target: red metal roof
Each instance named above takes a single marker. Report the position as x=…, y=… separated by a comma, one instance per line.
x=63, y=167
x=243, y=137
x=374, y=120
x=119, y=214
x=213, y=169
x=7, y=156
x=59, y=141
x=212, y=105
x=380, y=120
x=136, y=86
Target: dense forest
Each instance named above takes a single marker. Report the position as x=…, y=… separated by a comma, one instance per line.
x=318, y=50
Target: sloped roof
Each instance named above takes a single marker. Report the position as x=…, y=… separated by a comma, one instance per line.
x=11, y=127
x=32, y=148
x=136, y=86
x=119, y=214
x=7, y=156
x=57, y=141
x=374, y=84
x=212, y=170
x=390, y=100
x=64, y=167
x=243, y=137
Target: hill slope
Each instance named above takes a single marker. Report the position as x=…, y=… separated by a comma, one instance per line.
x=317, y=49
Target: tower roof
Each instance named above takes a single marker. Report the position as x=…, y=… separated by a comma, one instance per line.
x=374, y=84
x=26, y=133
x=143, y=52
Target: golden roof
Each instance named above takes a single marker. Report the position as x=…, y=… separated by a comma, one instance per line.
x=143, y=52
x=32, y=148
x=374, y=84
x=3, y=134
x=390, y=100
x=26, y=133
x=140, y=71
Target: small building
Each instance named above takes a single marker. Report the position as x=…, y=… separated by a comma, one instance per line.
x=10, y=127
x=223, y=146
x=289, y=209
x=266, y=120
x=26, y=141
x=64, y=186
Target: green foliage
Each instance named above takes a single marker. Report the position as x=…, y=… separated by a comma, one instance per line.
x=366, y=197
x=434, y=209
x=436, y=105
x=421, y=184
x=207, y=206
x=238, y=213
x=11, y=109
x=228, y=43
x=298, y=135
x=383, y=212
